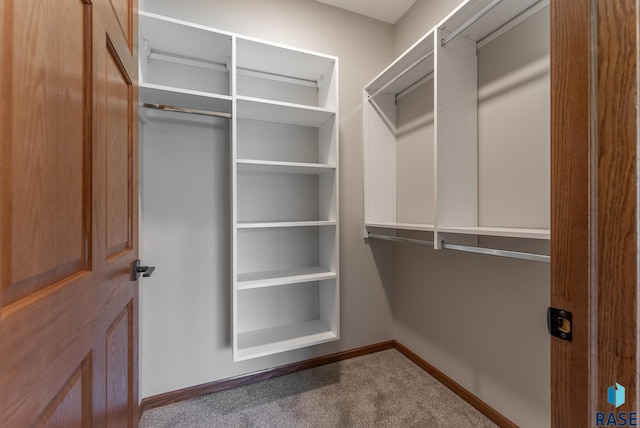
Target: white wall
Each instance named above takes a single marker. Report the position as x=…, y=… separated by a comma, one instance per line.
x=481, y=319
x=185, y=332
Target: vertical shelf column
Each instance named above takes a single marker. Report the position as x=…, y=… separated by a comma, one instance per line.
x=285, y=270
x=456, y=122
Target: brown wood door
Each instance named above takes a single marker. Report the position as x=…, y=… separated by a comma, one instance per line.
x=594, y=232
x=68, y=213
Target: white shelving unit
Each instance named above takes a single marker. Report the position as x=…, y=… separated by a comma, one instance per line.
x=285, y=207
x=283, y=145
x=435, y=147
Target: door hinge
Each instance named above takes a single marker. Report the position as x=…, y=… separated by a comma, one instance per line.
x=559, y=323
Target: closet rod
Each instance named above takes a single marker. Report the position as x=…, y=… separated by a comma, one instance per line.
x=513, y=22
x=405, y=71
x=277, y=77
x=470, y=22
x=501, y=253
x=415, y=86
x=224, y=67
x=187, y=60
x=187, y=110
x=400, y=239
x=478, y=250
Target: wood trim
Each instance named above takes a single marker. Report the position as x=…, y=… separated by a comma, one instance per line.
x=616, y=201
x=571, y=249
x=594, y=239
x=454, y=386
x=235, y=382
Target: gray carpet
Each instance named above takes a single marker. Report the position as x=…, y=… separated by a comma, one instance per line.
x=384, y=389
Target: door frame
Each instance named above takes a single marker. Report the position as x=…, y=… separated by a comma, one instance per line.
x=594, y=199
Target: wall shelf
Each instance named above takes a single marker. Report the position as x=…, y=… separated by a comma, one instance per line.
x=158, y=94
x=283, y=224
x=251, y=280
x=507, y=232
x=402, y=226
x=257, y=343
x=282, y=112
x=247, y=165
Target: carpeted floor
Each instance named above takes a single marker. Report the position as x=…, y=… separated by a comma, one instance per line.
x=384, y=389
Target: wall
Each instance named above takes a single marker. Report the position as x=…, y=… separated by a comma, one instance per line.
x=185, y=331
x=481, y=319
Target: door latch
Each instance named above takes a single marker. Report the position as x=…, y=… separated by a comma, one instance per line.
x=559, y=323
x=146, y=271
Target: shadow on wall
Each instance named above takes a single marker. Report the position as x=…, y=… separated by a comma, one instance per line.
x=385, y=256
x=481, y=319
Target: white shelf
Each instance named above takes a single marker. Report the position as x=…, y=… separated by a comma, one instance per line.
x=282, y=112
x=158, y=94
x=285, y=224
x=413, y=57
x=403, y=226
x=256, y=343
x=249, y=165
x=252, y=280
x=507, y=232
x=494, y=19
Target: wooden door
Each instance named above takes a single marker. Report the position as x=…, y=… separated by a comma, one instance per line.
x=68, y=213
x=594, y=233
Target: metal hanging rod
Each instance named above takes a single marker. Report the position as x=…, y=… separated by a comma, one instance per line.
x=400, y=239
x=405, y=71
x=277, y=77
x=415, y=86
x=469, y=249
x=513, y=22
x=495, y=252
x=187, y=60
x=470, y=22
x=187, y=110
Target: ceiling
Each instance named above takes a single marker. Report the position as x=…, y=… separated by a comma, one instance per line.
x=385, y=10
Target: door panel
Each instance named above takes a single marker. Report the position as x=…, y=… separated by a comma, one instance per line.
x=68, y=214
x=124, y=10
x=71, y=407
x=116, y=94
x=119, y=346
x=45, y=187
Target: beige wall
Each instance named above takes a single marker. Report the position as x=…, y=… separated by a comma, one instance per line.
x=481, y=319
x=364, y=47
